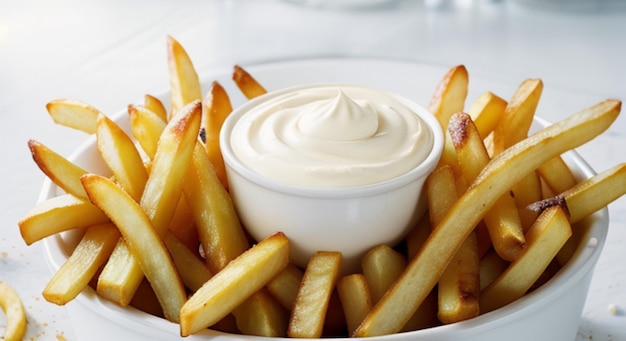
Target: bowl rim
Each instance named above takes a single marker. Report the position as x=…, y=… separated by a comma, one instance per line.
x=583, y=261
x=423, y=169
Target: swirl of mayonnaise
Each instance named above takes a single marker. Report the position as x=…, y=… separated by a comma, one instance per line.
x=331, y=136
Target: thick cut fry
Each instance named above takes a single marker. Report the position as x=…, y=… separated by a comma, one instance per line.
x=58, y=169
x=545, y=239
x=184, y=82
x=557, y=175
x=506, y=169
x=58, y=214
x=284, y=287
x=74, y=275
x=246, y=83
x=13, y=308
x=262, y=315
x=237, y=281
x=142, y=240
x=450, y=95
x=309, y=310
x=146, y=127
x=381, y=266
x=193, y=272
x=219, y=229
x=458, y=286
x=590, y=195
x=486, y=112
x=119, y=153
x=74, y=114
x=355, y=298
x=215, y=110
x=502, y=220
x=518, y=115
x=122, y=274
x=156, y=106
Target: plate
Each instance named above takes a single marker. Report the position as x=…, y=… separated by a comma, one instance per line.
x=89, y=313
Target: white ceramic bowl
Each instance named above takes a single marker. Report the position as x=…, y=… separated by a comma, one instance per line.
x=551, y=312
x=351, y=220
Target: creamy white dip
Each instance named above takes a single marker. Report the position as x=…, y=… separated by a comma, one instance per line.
x=331, y=136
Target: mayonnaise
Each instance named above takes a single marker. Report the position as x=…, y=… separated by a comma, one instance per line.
x=331, y=136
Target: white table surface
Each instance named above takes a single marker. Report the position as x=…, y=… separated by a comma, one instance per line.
x=111, y=53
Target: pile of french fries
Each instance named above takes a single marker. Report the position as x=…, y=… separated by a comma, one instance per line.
x=159, y=231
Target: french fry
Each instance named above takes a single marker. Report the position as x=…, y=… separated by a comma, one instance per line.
x=237, y=281
x=58, y=169
x=502, y=220
x=122, y=274
x=246, y=83
x=545, y=239
x=503, y=171
x=58, y=214
x=458, y=286
x=142, y=240
x=355, y=298
x=74, y=275
x=590, y=195
x=13, y=308
x=184, y=82
x=449, y=98
x=193, y=272
x=74, y=114
x=262, y=315
x=557, y=175
x=284, y=287
x=216, y=108
x=156, y=106
x=518, y=115
x=146, y=127
x=486, y=112
x=381, y=266
x=309, y=310
x=120, y=154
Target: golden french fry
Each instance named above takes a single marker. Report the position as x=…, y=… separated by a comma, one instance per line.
x=74, y=275
x=284, y=287
x=156, y=106
x=246, y=83
x=74, y=114
x=13, y=308
x=502, y=220
x=309, y=309
x=58, y=214
x=355, y=298
x=215, y=110
x=193, y=272
x=486, y=112
x=184, y=82
x=525, y=192
x=450, y=95
x=237, y=281
x=146, y=127
x=219, y=229
x=458, y=286
x=58, y=169
x=262, y=315
x=119, y=153
x=143, y=241
x=545, y=239
x=122, y=274
x=381, y=266
x=557, y=175
x=491, y=266
x=503, y=171
x=183, y=226
x=518, y=115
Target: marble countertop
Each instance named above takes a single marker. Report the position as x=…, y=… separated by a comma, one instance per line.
x=111, y=53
